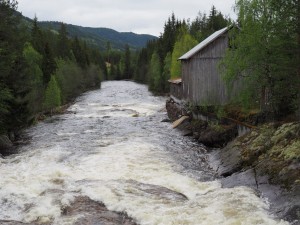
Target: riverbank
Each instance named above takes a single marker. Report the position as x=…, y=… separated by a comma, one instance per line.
x=267, y=158
x=10, y=140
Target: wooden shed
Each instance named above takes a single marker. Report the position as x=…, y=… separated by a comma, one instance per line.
x=201, y=80
x=176, y=88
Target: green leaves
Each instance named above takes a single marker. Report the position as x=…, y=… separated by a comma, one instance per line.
x=52, y=95
x=30, y=79
x=184, y=44
x=179, y=36
x=265, y=54
x=155, y=73
x=35, y=76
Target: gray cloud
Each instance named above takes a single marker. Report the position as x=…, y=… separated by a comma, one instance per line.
x=139, y=16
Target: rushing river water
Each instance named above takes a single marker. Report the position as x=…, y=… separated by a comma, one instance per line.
x=112, y=147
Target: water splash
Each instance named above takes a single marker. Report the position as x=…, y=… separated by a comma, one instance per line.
x=112, y=148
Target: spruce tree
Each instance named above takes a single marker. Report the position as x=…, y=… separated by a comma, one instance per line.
x=13, y=81
x=48, y=65
x=37, y=39
x=8, y=30
x=127, y=63
x=141, y=67
x=79, y=53
x=63, y=47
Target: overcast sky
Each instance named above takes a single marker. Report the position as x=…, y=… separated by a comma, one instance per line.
x=139, y=16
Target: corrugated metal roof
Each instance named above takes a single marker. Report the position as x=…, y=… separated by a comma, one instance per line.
x=175, y=81
x=204, y=43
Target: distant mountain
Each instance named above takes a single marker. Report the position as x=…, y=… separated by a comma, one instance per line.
x=100, y=36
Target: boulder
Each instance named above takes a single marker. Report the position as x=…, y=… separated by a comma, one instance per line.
x=217, y=137
x=5, y=144
x=175, y=110
x=226, y=161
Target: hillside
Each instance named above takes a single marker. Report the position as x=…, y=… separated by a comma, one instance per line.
x=100, y=36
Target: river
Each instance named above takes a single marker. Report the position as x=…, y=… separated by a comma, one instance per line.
x=111, y=147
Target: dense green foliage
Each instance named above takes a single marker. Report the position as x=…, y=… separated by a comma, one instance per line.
x=12, y=76
x=182, y=45
x=34, y=73
x=264, y=53
x=155, y=73
x=52, y=95
x=40, y=69
x=158, y=62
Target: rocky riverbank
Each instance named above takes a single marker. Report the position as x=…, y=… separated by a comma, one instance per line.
x=6, y=145
x=267, y=158
x=10, y=140
x=211, y=133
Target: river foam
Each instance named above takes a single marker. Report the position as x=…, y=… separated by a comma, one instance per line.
x=112, y=148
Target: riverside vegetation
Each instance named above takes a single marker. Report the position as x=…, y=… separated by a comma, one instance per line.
x=39, y=70
x=42, y=69
x=264, y=54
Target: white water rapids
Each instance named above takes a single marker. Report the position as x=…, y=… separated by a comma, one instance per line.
x=112, y=147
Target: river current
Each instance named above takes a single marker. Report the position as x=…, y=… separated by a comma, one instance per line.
x=112, y=147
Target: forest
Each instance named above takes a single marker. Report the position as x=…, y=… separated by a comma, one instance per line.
x=158, y=61
x=264, y=52
x=41, y=69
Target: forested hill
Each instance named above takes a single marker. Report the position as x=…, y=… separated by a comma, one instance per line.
x=100, y=36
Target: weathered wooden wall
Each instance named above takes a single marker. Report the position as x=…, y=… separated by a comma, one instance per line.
x=201, y=79
x=176, y=90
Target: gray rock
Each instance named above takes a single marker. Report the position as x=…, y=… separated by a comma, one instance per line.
x=226, y=161
x=5, y=143
x=95, y=213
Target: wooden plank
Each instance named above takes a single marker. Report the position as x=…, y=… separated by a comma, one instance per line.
x=180, y=121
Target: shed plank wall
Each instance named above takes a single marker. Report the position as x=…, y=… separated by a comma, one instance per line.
x=176, y=90
x=202, y=82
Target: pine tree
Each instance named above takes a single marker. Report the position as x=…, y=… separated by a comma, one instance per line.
x=63, y=47
x=169, y=35
x=13, y=82
x=127, y=65
x=5, y=98
x=118, y=75
x=198, y=28
x=37, y=39
x=8, y=30
x=140, y=74
x=79, y=53
x=108, y=51
x=48, y=65
x=112, y=74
